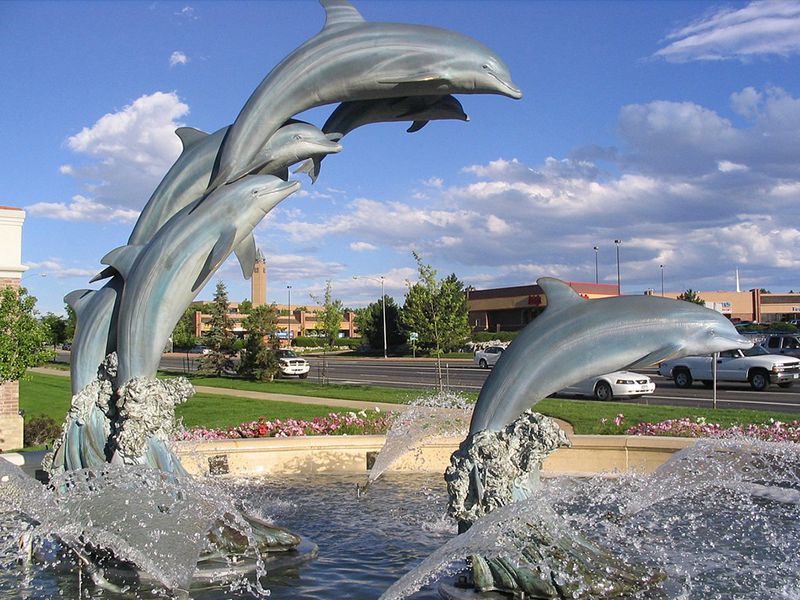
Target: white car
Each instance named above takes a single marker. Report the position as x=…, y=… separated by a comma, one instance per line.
x=488, y=356
x=617, y=384
x=755, y=365
x=289, y=364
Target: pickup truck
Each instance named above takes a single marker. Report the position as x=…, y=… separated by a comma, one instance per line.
x=756, y=366
x=788, y=344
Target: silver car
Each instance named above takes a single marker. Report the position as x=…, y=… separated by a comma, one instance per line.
x=488, y=356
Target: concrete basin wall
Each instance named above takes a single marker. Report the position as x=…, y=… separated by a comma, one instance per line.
x=589, y=454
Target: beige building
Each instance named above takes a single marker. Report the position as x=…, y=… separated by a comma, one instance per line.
x=11, y=270
x=511, y=308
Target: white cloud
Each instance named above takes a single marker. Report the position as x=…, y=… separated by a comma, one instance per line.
x=759, y=29
x=130, y=150
x=434, y=182
x=81, y=209
x=362, y=247
x=187, y=12
x=54, y=267
x=726, y=166
x=178, y=58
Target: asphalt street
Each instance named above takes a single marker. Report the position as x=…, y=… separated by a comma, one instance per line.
x=463, y=375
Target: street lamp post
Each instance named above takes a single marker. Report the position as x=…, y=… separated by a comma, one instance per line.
x=383, y=304
x=289, y=317
x=619, y=281
x=662, y=280
x=596, y=271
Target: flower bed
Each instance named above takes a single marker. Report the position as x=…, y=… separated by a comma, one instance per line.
x=773, y=431
x=361, y=423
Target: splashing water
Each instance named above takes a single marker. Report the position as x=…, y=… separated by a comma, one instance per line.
x=134, y=521
x=441, y=414
x=721, y=519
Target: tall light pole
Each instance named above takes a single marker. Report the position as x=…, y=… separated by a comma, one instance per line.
x=662, y=280
x=596, y=271
x=289, y=318
x=383, y=304
x=619, y=281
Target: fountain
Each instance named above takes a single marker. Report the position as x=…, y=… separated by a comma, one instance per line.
x=121, y=517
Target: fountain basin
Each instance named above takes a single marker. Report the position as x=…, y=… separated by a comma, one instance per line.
x=588, y=455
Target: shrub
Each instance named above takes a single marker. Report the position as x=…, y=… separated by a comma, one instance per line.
x=490, y=336
x=308, y=342
x=41, y=430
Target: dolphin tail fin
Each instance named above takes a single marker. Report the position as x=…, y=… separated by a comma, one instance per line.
x=656, y=356
x=78, y=299
x=218, y=253
x=559, y=294
x=122, y=259
x=190, y=136
x=246, y=253
x=340, y=14
x=416, y=126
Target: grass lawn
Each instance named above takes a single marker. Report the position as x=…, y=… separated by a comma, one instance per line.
x=50, y=395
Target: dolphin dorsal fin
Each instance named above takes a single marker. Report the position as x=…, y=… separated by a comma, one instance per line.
x=340, y=14
x=190, y=136
x=246, y=253
x=77, y=299
x=559, y=294
x=122, y=259
x=104, y=274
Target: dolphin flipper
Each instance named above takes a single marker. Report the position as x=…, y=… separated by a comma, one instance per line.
x=104, y=274
x=416, y=126
x=77, y=299
x=246, y=253
x=218, y=253
x=657, y=356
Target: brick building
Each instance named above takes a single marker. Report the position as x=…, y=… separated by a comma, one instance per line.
x=11, y=270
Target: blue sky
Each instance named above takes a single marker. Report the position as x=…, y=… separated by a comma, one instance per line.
x=673, y=126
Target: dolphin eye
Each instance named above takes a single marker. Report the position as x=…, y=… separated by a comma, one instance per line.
x=485, y=67
x=297, y=137
x=712, y=333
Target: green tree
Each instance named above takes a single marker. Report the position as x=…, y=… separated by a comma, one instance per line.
x=220, y=338
x=245, y=306
x=56, y=328
x=259, y=360
x=369, y=321
x=183, y=335
x=691, y=296
x=437, y=312
x=23, y=338
x=72, y=319
x=329, y=319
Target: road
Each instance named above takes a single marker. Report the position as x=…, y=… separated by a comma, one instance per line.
x=462, y=375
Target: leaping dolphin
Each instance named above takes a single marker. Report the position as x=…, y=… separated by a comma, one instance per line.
x=188, y=178
x=352, y=59
x=351, y=115
x=574, y=339
x=163, y=277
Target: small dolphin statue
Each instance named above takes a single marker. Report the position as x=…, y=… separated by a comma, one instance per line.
x=352, y=59
x=163, y=277
x=351, y=115
x=574, y=339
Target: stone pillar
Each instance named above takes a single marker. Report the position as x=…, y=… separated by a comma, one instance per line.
x=258, y=281
x=11, y=270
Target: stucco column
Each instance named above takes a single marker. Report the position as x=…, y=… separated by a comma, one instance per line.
x=11, y=270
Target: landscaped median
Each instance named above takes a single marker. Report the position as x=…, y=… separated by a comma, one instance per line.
x=227, y=418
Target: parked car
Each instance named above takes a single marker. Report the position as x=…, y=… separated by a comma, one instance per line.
x=617, y=384
x=289, y=363
x=782, y=343
x=66, y=346
x=199, y=350
x=755, y=365
x=488, y=356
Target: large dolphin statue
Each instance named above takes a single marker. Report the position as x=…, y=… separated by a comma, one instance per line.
x=95, y=331
x=188, y=178
x=352, y=59
x=574, y=339
x=163, y=277
x=420, y=110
